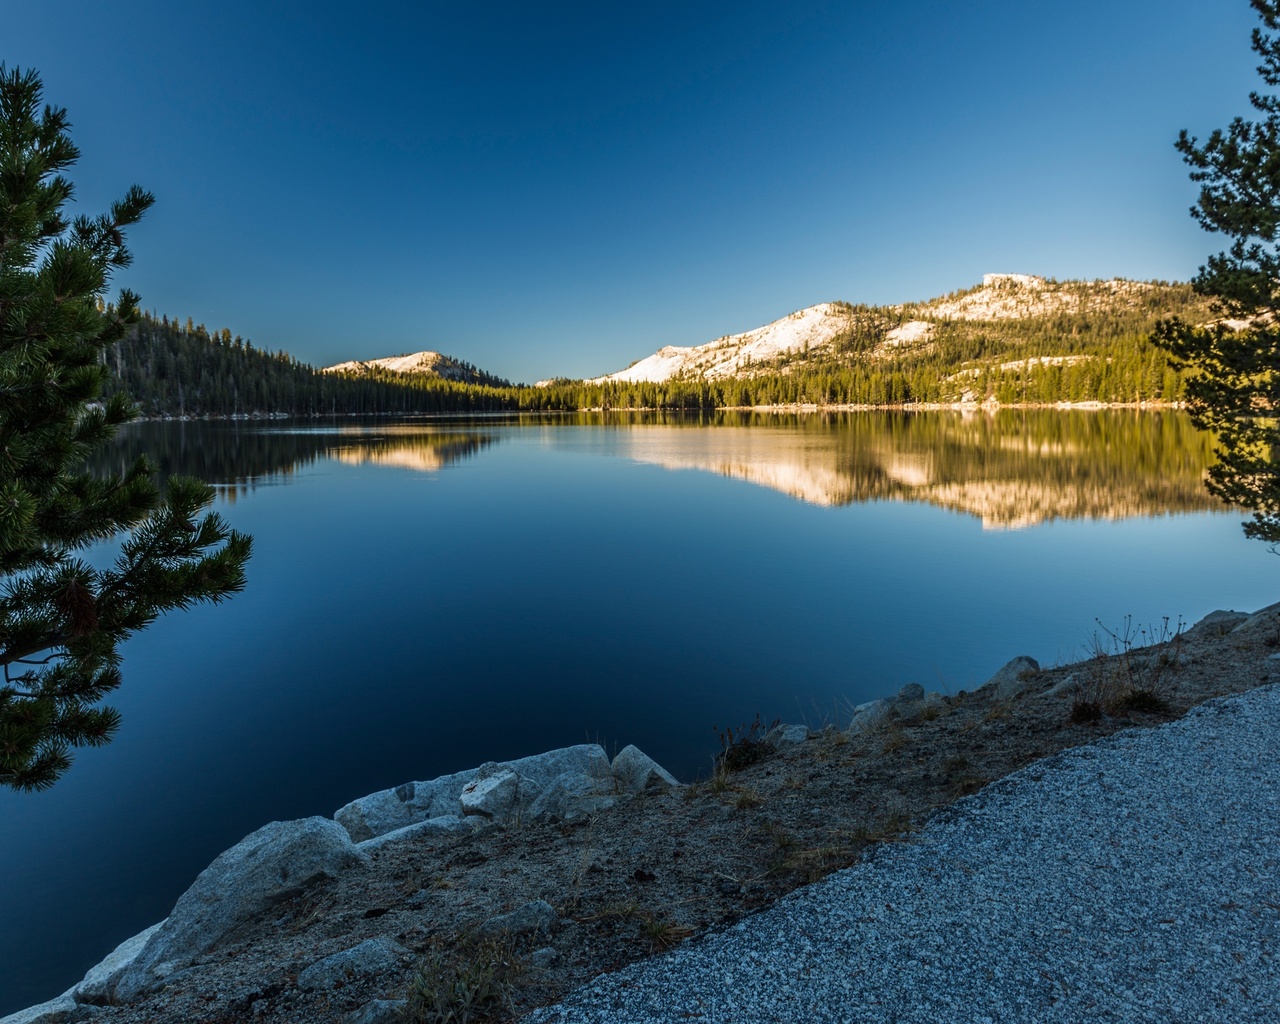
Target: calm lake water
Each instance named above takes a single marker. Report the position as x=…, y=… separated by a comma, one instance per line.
x=428, y=596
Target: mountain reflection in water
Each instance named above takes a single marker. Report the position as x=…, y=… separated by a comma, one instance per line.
x=237, y=456
x=1010, y=469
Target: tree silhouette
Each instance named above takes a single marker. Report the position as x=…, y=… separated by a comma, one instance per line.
x=1233, y=385
x=62, y=619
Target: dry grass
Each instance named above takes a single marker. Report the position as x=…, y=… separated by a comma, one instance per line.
x=472, y=982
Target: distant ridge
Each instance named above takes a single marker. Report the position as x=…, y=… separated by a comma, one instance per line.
x=830, y=328
x=811, y=328
x=425, y=364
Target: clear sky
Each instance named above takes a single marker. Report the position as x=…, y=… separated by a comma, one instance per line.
x=560, y=188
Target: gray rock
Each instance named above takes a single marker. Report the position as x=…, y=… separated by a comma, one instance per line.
x=571, y=796
x=586, y=760
x=1265, y=620
x=377, y=1011
x=438, y=797
x=911, y=692
x=373, y=956
x=494, y=796
x=870, y=717
x=935, y=702
x=99, y=983
x=1217, y=623
x=55, y=1011
x=267, y=866
x=538, y=916
x=1068, y=686
x=636, y=772
x=543, y=958
x=781, y=737
x=579, y=779
x=1013, y=677
x=373, y=815
x=391, y=809
x=431, y=828
x=912, y=704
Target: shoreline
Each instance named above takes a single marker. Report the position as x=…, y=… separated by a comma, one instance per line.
x=964, y=407
x=665, y=863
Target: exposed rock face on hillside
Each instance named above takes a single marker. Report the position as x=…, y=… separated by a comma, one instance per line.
x=427, y=364
x=829, y=328
x=1024, y=297
x=811, y=329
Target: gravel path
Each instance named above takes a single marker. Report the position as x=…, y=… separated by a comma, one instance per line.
x=1136, y=879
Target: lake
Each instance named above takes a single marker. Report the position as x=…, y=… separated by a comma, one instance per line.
x=430, y=595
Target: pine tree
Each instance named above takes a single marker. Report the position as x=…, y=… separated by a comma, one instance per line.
x=61, y=619
x=1235, y=385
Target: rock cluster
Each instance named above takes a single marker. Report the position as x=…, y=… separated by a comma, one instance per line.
x=561, y=785
x=260, y=871
x=285, y=857
x=910, y=704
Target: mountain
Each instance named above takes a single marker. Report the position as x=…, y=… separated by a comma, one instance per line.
x=1018, y=316
x=1014, y=339
x=428, y=364
x=811, y=329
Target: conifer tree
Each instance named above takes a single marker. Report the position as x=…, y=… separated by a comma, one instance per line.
x=1235, y=384
x=62, y=619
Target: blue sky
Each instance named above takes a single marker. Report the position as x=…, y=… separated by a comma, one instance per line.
x=561, y=188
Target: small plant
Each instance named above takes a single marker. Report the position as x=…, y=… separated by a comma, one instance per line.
x=628, y=911
x=661, y=933
x=1122, y=681
x=719, y=781
x=956, y=763
x=748, y=799
x=895, y=738
x=815, y=864
x=1084, y=711
x=742, y=747
x=1145, y=701
x=474, y=983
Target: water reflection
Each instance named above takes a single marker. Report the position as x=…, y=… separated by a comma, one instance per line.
x=237, y=457
x=1010, y=469
x=426, y=453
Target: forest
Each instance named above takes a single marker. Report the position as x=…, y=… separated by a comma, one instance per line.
x=1085, y=351
x=171, y=369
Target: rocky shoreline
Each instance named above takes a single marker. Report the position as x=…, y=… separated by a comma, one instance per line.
x=537, y=875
